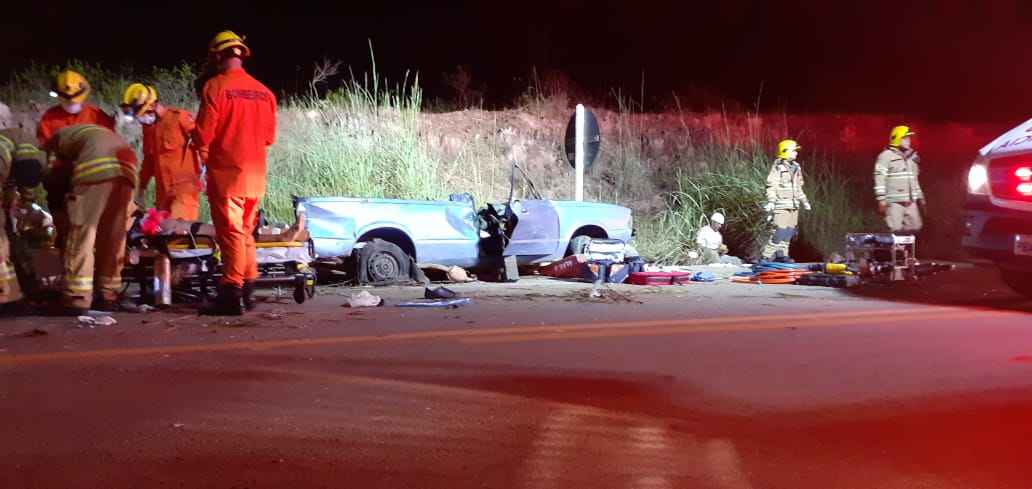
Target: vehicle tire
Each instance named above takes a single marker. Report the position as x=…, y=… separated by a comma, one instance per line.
x=300, y=286
x=1017, y=280
x=577, y=244
x=382, y=262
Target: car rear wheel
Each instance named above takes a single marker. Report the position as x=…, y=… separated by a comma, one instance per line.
x=382, y=262
x=1017, y=280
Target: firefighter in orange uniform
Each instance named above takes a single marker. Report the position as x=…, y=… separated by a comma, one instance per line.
x=236, y=123
x=72, y=89
x=100, y=169
x=168, y=155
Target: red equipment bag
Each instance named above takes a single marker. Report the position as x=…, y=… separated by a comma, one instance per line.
x=659, y=278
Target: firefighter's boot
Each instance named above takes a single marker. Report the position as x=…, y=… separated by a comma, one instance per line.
x=227, y=302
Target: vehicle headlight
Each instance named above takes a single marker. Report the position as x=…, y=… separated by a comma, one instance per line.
x=978, y=179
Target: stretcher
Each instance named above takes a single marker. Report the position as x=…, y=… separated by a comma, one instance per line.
x=183, y=265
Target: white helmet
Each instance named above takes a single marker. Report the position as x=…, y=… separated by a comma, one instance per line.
x=717, y=218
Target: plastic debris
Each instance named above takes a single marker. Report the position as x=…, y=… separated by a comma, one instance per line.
x=439, y=293
x=364, y=299
x=448, y=303
x=94, y=321
x=703, y=277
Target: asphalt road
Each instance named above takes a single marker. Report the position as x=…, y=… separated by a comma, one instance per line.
x=536, y=386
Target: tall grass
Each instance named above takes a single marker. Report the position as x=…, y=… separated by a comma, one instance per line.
x=732, y=181
x=362, y=140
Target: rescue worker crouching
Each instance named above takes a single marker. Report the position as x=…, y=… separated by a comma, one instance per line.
x=896, y=185
x=168, y=155
x=235, y=124
x=100, y=170
x=21, y=167
x=709, y=241
x=785, y=196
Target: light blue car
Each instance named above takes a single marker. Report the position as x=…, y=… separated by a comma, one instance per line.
x=371, y=237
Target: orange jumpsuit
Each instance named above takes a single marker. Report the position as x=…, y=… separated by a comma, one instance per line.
x=101, y=171
x=55, y=118
x=236, y=123
x=172, y=161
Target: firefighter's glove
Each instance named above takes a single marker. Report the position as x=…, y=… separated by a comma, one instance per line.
x=722, y=249
x=807, y=206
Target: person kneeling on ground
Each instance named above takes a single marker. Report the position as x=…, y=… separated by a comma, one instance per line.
x=709, y=241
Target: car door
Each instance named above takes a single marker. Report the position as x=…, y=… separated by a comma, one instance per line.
x=537, y=228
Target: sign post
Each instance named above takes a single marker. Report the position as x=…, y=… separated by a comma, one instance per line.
x=583, y=140
x=579, y=158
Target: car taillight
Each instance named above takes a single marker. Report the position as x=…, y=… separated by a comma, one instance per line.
x=1024, y=176
x=978, y=179
x=1011, y=178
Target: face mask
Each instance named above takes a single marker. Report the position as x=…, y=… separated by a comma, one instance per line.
x=72, y=108
x=147, y=119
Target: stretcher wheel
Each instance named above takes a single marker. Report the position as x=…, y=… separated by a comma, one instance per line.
x=300, y=288
x=310, y=280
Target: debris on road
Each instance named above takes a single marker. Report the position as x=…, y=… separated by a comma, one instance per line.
x=274, y=315
x=439, y=293
x=452, y=274
x=91, y=322
x=32, y=333
x=445, y=303
x=364, y=299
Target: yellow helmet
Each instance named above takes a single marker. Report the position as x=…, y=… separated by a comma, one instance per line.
x=898, y=133
x=72, y=86
x=228, y=40
x=138, y=99
x=786, y=145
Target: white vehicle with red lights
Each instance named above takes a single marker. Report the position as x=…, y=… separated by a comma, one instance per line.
x=998, y=213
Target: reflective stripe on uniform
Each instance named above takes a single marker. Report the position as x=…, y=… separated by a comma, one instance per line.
x=85, y=129
x=7, y=272
x=106, y=164
x=27, y=151
x=79, y=284
x=6, y=146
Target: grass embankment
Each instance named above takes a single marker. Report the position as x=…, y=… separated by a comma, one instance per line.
x=369, y=139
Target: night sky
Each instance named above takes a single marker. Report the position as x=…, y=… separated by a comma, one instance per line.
x=948, y=59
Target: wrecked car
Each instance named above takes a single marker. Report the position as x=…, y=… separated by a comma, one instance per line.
x=380, y=240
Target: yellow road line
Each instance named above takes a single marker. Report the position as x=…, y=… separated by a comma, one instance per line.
x=506, y=334
x=762, y=325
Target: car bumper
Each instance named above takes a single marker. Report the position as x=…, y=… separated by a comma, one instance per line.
x=989, y=232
